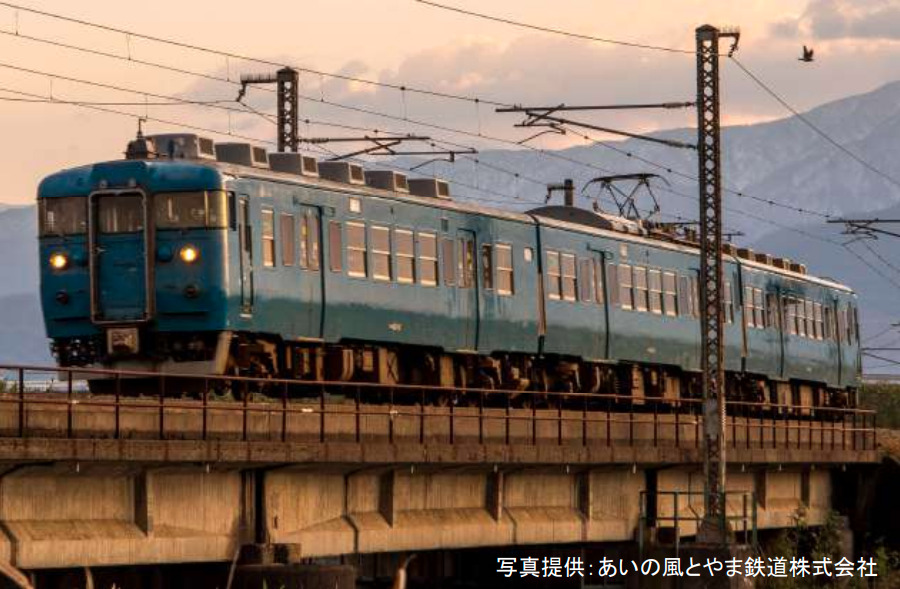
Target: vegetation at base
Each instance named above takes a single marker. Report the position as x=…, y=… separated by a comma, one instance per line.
x=818, y=542
x=885, y=399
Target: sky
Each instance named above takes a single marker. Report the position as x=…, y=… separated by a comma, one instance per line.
x=407, y=43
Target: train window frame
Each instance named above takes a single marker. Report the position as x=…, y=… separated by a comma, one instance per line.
x=819, y=320
x=641, y=294
x=288, y=234
x=267, y=236
x=487, y=266
x=828, y=321
x=448, y=260
x=504, y=263
x=405, y=254
x=749, y=317
x=684, y=289
x=612, y=278
x=312, y=220
x=695, y=297
x=118, y=219
x=357, y=253
x=801, y=317
x=335, y=247
x=554, y=275
x=214, y=209
x=586, y=269
x=626, y=294
x=655, y=291
x=771, y=301
x=382, y=266
x=428, y=261
x=72, y=212
x=303, y=244
x=670, y=295
x=466, y=262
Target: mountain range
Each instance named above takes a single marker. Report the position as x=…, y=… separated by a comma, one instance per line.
x=783, y=161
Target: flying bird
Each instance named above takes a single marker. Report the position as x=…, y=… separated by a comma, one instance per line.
x=807, y=54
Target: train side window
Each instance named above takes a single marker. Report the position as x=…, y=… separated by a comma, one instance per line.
x=856, y=324
x=827, y=322
x=587, y=280
x=554, y=276
x=268, y=238
x=654, y=279
x=569, y=278
x=506, y=284
x=772, y=310
x=684, y=295
x=313, y=241
x=759, y=314
x=598, y=280
x=487, y=267
x=801, y=317
x=466, y=265
x=303, y=258
x=749, y=318
x=820, y=321
x=612, y=277
x=670, y=294
x=406, y=260
x=287, y=240
x=640, y=288
x=357, y=265
x=728, y=303
x=448, y=252
x=335, y=246
x=626, y=295
x=428, y=261
x=381, y=253
x=695, y=298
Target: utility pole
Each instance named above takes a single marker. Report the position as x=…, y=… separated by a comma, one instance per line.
x=288, y=80
x=714, y=528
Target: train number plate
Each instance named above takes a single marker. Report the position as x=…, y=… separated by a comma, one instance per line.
x=122, y=340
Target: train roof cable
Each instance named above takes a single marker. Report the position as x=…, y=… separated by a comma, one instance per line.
x=248, y=58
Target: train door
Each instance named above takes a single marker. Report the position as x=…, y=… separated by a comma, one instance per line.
x=593, y=271
x=311, y=275
x=467, y=288
x=245, y=237
x=121, y=276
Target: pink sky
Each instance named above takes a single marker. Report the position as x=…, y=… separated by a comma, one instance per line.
x=405, y=42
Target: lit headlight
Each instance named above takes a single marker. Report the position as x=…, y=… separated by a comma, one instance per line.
x=59, y=261
x=189, y=254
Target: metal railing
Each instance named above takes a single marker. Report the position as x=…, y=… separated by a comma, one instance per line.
x=293, y=410
x=742, y=524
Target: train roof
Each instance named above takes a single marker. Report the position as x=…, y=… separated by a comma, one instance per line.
x=185, y=174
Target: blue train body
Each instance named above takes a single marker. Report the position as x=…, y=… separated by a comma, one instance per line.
x=192, y=265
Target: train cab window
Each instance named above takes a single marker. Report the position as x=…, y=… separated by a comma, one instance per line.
x=121, y=213
x=357, y=264
x=381, y=254
x=670, y=294
x=406, y=259
x=268, y=238
x=506, y=284
x=448, y=253
x=654, y=280
x=428, y=260
x=487, y=267
x=287, y=240
x=569, y=277
x=626, y=295
x=191, y=210
x=587, y=280
x=63, y=216
x=554, y=276
x=335, y=246
x=640, y=288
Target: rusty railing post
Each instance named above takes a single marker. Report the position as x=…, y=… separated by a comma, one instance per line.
x=358, y=417
x=422, y=419
x=162, y=410
x=284, y=411
x=69, y=407
x=21, y=391
x=117, y=408
x=244, y=407
x=205, y=409
x=322, y=413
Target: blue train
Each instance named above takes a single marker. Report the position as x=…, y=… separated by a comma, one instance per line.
x=195, y=257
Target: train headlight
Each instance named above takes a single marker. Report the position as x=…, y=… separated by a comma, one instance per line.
x=59, y=261
x=189, y=254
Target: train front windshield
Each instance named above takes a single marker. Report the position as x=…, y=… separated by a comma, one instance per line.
x=191, y=210
x=63, y=216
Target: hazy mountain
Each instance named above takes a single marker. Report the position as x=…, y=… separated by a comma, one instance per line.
x=783, y=160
